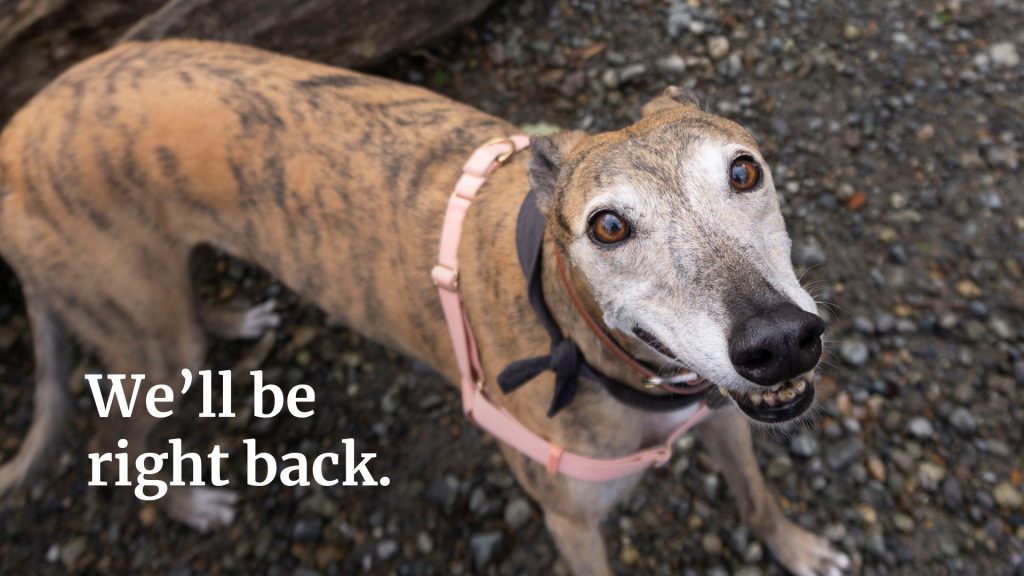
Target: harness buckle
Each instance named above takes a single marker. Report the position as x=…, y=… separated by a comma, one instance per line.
x=445, y=278
x=504, y=156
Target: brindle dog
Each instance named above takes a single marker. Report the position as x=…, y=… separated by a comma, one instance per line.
x=337, y=183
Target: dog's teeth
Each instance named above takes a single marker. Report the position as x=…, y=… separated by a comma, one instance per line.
x=787, y=395
x=723, y=391
x=771, y=399
x=800, y=386
x=755, y=398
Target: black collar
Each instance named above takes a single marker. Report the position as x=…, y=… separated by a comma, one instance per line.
x=565, y=359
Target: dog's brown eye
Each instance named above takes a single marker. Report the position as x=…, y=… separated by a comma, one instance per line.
x=744, y=174
x=607, y=227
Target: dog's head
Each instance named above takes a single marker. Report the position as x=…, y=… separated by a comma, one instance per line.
x=673, y=227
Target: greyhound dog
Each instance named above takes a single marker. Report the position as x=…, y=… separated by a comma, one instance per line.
x=669, y=231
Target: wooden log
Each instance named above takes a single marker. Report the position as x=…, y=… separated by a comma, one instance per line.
x=17, y=15
x=349, y=33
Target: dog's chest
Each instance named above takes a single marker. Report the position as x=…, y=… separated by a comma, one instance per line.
x=658, y=425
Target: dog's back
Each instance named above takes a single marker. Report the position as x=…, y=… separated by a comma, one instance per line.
x=128, y=160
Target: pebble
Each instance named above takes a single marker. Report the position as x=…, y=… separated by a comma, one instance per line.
x=902, y=522
x=718, y=47
x=804, y=444
x=1004, y=55
x=1007, y=496
x=424, y=543
x=778, y=467
x=631, y=73
x=307, y=530
x=71, y=552
x=629, y=554
x=843, y=454
x=930, y=474
x=517, y=513
x=754, y=553
x=386, y=549
x=808, y=254
x=712, y=544
x=673, y=64
x=863, y=324
x=952, y=493
x=485, y=546
x=920, y=428
x=876, y=468
x=963, y=420
x=854, y=351
x=443, y=492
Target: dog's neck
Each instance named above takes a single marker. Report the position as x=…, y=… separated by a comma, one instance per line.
x=563, y=311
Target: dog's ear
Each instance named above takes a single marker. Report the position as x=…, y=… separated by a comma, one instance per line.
x=669, y=98
x=549, y=152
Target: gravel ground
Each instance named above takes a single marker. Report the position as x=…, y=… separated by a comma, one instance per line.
x=894, y=131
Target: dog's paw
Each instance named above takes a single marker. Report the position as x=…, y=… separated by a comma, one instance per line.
x=805, y=554
x=257, y=320
x=203, y=509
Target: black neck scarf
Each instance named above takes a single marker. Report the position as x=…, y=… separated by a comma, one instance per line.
x=565, y=359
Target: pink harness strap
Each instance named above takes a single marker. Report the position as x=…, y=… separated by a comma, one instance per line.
x=475, y=403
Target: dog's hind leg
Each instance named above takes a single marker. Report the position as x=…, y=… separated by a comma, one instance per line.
x=53, y=367
x=727, y=437
x=154, y=330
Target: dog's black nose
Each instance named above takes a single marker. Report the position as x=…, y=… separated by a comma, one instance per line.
x=776, y=345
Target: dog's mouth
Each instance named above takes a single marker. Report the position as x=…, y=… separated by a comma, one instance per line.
x=771, y=405
x=780, y=403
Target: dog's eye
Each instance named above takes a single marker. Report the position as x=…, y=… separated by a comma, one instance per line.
x=744, y=174
x=607, y=227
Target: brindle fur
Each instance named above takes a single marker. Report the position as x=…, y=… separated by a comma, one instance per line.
x=335, y=182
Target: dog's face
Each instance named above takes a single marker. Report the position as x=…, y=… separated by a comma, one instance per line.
x=673, y=227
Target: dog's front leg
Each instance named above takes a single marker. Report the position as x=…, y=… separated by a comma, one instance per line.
x=726, y=436
x=573, y=511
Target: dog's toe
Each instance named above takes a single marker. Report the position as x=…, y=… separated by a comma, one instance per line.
x=259, y=319
x=204, y=509
x=805, y=554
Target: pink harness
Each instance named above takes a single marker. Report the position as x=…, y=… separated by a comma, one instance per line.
x=475, y=403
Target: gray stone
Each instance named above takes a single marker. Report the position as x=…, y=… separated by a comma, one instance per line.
x=631, y=72
x=485, y=546
x=809, y=254
x=71, y=552
x=443, y=492
x=804, y=444
x=863, y=324
x=307, y=530
x=952, y=493
x=517, y=513
x=854, y=352
x=920, y=428
x=424, y=543
x=1004, y=55
x=386, y=549
x=963, y=420
x=672, y=64
x=718, y=47
x=843, y=454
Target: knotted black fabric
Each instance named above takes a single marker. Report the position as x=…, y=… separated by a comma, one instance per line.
x=564, y=359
